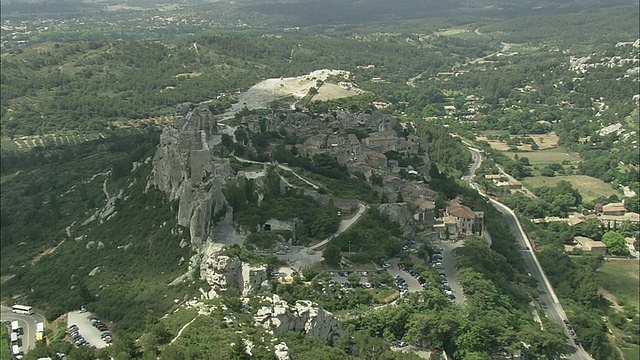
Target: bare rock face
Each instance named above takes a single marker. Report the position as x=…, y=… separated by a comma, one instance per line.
x=223, y=272
x=185, y=169
x=282, y=351
x=303, y=316
x=401, y=214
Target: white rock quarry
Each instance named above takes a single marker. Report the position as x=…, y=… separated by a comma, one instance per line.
x=303, y=316
x=261, y=94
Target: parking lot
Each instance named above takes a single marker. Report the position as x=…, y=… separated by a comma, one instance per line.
x=449, y=263
x=88, y=331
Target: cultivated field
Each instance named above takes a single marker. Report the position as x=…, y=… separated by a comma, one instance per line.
x=544, y=157
x=620, y=277
x=589, y=187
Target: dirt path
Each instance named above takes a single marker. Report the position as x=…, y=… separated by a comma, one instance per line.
x=182, y=329
x=46, y=252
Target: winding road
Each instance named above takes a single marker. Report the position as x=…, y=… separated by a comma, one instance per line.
x=26, y=322
x=548, y=298
x=344, y=225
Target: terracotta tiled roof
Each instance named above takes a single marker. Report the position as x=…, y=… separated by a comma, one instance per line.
x=616, y=207
x=461, y=211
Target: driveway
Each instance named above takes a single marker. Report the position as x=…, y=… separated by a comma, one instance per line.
x=88, y=331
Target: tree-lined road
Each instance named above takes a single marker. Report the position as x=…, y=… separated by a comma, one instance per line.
x=548, y=297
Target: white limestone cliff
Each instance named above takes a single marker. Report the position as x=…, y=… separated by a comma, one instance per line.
x=303, y=316
x=186, y=170
x=223, y=272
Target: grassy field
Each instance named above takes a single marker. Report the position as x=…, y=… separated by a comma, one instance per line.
x=543, y=157
x=544, y=141
x=620, y=277
x=589, y=187
x=630, y=352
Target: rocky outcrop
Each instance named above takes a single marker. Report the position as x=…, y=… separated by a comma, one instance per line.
x=223, y=272
x=402, y=214
x=282, y=351
x=186, y=170
x=303, y=316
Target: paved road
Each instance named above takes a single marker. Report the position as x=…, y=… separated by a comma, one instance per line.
x=27, y=322
x=553, y=308
x=477, y=160
x=344, y=225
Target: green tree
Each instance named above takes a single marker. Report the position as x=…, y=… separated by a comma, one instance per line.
x=615, y=243
x=332, y=254
x=81, y=353
x=548, y=172
x=124, y=348
x=309, y=273
x=241, y=136
x=354, y=280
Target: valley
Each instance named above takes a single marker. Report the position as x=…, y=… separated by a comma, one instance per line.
x=272, y=181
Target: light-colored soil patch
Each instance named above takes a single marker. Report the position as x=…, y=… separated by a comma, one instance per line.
x=497, y=145
x=451, y=31
x=189, y=75
x=124, y=7
x=46, y=252
x=6, y=278
x=612, y=299
x=589, y=187
x=330, y=91
x=544, y=142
